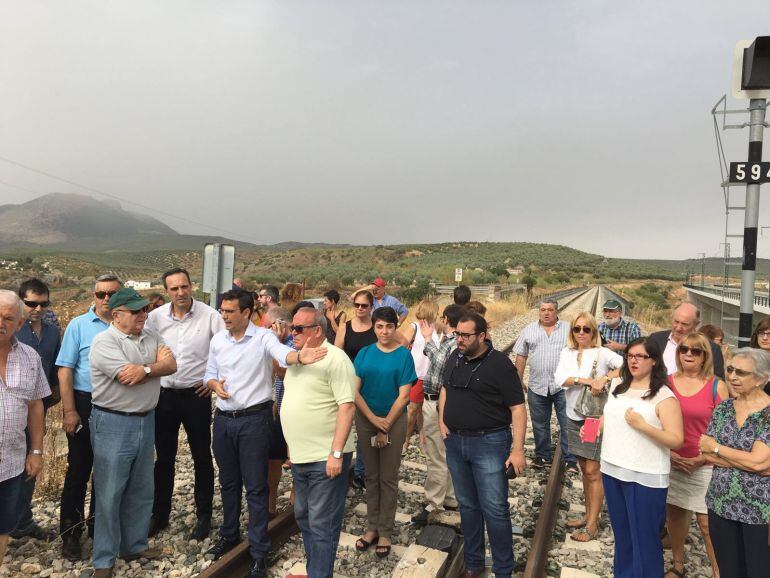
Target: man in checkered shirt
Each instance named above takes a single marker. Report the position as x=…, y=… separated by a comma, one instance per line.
x=616, y=331
x=23, y=386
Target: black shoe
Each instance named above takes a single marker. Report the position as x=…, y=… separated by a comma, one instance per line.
x=571, y=467
x=258, y=569
x=540, y=463
x=201, y=529
x=34, y=531
x=359, y=482
x=156, y=526
x=221, y=548
x=70, y=546
x=421, y=519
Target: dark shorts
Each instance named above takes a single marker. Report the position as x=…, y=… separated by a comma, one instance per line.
x=416, y=393
x=278, y=449
x=9, y=503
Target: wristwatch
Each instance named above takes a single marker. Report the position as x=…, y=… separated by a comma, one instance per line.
x=716, y=449
x=36, y=452
x=576, y=381
x=336, y=455
x=146, y=369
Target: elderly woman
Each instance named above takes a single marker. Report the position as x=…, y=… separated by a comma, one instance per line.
x=385, y=373
x=698, y=392
x=737, y=443
x=760, y=339
x=585, y=363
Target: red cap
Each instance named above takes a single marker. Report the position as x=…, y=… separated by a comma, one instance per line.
x=379, y=282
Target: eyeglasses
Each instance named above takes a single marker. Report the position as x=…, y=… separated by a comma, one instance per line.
x=301, y=328
x=361, y=305
x=104, y=294
x=637, y=356
x=764, y=334
x=459, y=335
x=694, y=351
x=144, y=309
x=738, y=372
x=581, y=328
x=36, y=304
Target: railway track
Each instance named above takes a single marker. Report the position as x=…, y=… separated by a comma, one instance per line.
x=283, y=528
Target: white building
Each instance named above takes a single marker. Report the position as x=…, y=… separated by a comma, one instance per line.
x=137, y=284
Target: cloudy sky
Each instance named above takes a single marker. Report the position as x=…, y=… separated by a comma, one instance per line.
x=585, y=123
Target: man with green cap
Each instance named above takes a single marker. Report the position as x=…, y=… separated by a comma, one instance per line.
x=616, y=331
x=127, y=362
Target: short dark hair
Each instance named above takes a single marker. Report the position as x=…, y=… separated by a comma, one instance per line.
x=368, y=294
x=462, y=294
x=453, y=313
x=244, y=298
x=272, y=292
x=333, y=295
x=386, y=314
x=479, y=323
x=477, y=307
x=175, y=271
x=301, y=305
x=154, y=296
x=34, y=285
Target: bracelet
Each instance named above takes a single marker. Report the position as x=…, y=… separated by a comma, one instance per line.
x=36, y=452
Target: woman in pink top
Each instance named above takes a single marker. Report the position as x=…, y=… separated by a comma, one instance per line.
x=698, y=392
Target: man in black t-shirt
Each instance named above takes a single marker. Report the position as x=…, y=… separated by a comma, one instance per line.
x=483, y=421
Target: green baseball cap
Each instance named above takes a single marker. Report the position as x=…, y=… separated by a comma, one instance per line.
x=128, y=298
x=610, y=304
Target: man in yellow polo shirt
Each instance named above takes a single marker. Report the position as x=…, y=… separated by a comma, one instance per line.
x=316, y=414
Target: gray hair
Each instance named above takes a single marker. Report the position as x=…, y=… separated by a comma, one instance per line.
x=11, y=299
x=760, y=358
x=279, y=314
x=108, y=277
x=318, y=317
x=697, y=309
x=552, y=300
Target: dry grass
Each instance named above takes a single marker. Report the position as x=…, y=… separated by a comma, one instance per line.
x=55, y=465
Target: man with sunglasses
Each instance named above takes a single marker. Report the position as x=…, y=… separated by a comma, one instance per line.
x=45, y=339
x=239, y=372
x=684, y=319
x=483, y=421
x=127, y=362
x=75, y=389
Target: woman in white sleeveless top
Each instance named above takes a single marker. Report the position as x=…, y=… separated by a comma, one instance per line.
x=642, y=422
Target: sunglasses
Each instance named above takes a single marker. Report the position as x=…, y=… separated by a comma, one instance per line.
x=581, y=328
x=301, y=328
x=36, y=304
x=738, y=372
x=637, y=356
x=459, y=335
x=361, y=305
x=694, y=351
x=145, y=309
x=764, y=334
x=104, y=294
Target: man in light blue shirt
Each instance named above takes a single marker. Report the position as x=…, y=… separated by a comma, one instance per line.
x=75, y=389
x=382, y=299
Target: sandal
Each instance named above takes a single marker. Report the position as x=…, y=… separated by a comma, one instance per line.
x=362, y=545
x=585, y=535
x=576, y=523
x=678, y=573
x=382, y=551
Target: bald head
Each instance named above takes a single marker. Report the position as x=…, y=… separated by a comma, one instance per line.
x=684, y=320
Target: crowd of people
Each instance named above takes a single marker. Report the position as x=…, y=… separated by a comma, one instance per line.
x=659, y=426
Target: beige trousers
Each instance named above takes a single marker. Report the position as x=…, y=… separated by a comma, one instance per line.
x=438, y=484
x=382, y=467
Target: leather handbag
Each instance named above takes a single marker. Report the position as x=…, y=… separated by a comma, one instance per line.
x=589, y=405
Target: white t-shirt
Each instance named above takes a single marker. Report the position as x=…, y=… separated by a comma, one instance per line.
x=569, y=367
x=421, y=361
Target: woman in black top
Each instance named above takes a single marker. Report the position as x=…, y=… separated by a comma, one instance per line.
x=357, y=333
x=334, y=317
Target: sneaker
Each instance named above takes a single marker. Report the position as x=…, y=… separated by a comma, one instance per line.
x=571, y=467
x=221, y=548
x=70, y=546
x=258, y=569
x=421, y=519
x=202, y=528
x=156, y=526
x=34, y=531
x=540, y=463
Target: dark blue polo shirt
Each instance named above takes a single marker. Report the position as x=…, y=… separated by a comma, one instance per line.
x=47, y=347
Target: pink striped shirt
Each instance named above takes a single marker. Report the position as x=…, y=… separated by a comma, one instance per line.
x=24, y=381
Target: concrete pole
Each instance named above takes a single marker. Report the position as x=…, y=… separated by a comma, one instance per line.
x=757, y=108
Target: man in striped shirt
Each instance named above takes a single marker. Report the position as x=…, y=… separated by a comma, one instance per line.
x=616, y=331
x=541, y=343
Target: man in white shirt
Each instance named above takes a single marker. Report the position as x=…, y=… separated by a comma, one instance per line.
x=186, y=327
x=239, y=372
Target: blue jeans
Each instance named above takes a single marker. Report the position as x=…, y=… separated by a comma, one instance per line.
x=241, y=447
x=477, y=466
x=10, y=490
x=540, y=414
x=123, y=472
x=319, y=502
x=25, y=497
x=358, y=468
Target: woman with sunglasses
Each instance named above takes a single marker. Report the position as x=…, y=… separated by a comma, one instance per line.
x=358, y=332
x=642, y=422
x=699, y=391
x=737, y=444
x=585, y=363
x=385, y=374
x=760, y=339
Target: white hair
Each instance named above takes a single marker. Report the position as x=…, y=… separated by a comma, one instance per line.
x=760, y=358
x=11, y=299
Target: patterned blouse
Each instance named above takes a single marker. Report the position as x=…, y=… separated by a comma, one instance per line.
x=736, y=494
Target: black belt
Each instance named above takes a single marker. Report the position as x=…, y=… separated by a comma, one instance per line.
x=432, y=396
x=478, y=432
x=247, y=411
x=82, y=393
x=118, y=412
x=190, y=389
